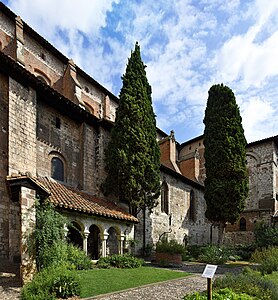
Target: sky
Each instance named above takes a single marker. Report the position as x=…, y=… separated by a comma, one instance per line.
x=186, y=45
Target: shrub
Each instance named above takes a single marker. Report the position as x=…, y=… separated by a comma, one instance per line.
x=244, y=251
x=48, y=231
x=267, y=258
x=215, y=255
x=170, y=247
x=266, y=236
x=249, y=282
x=125, y=261
x=62, y=253
x=221, y=294
x=195, y=251
x=50, y=283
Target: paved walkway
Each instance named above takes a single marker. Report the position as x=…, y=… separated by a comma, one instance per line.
x=174, y=289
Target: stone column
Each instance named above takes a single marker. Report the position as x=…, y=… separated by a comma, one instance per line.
x=121, y=243
x=104, y=240
x=66, y=230
x=85, y=241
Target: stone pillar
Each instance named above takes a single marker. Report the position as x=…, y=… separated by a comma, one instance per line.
x=66, y=230
x=28, y=222
x=121, y=243
x=19, y=40
x=103, y=241
x=85, y=241
x=71, y=87
x=106, y=108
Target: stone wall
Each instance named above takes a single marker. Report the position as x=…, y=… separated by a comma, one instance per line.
x=4, y=197
x=22, y=128
x=177, y=223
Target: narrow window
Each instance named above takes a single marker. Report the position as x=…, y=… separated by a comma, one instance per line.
x=242, y=224
x=165, y=198
x=42, y=56
x=192, y=216
x=58, y=122
x=57, y=169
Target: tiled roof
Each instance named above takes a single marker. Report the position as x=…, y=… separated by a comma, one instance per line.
x=69, y=198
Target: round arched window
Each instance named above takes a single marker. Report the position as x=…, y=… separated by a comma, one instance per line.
x=57, y=169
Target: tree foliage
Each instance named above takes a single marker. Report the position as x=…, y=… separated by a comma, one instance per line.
x=226, y=183
x=133, y=156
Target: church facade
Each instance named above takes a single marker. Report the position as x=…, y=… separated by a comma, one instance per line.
x=55, y=122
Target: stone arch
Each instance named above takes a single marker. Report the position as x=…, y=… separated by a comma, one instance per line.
x=113, y=241
x=254, y=156
x=42, y=76
x=89, y=108
x=94, y=242
x=75, y=236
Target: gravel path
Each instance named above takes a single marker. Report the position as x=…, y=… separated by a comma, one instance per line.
x=174, y=289
x=9, y=286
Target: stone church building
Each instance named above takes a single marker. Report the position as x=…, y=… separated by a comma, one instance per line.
x=55, y=122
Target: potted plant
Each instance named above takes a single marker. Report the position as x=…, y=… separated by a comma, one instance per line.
x=169, y=252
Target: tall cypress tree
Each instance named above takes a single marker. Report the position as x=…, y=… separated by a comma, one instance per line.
x=133, y=155
x=226, y=183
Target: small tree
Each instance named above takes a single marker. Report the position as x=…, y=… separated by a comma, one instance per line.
x=48, y=231
x=133, y=156
x=226, y=183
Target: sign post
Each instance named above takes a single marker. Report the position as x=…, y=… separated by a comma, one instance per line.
x=209, y=273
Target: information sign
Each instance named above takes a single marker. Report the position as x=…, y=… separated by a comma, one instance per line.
x=209, y=271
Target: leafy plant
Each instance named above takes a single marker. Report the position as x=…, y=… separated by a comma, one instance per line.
x=266, y=236
x=215, y=255
x=222, y=294
x=125, y=261
x=68, y=255
x=250, y=282
x=267, y=258
x=50, y=283
x=171, y=246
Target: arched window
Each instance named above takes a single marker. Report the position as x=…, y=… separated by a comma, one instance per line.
x=242, y=224
x=57, y=169
x=165, y=198
x=192, y=209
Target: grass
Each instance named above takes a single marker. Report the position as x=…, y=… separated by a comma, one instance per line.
x=101, y=281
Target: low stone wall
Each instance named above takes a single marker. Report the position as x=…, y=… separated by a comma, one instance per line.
x=163, y=258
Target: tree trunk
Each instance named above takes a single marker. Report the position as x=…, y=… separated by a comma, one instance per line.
x=144, y=232
x=221, y=229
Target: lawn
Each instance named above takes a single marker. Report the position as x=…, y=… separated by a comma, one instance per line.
x=101, y=281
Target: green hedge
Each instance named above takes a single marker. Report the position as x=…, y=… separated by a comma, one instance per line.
x=125, y=261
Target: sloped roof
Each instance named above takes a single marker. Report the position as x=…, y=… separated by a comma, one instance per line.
x=69, y=198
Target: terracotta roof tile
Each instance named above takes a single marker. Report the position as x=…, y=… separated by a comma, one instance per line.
x=69, y=198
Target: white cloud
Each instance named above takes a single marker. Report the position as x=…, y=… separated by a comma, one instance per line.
x=257, y=116
x=186, y=45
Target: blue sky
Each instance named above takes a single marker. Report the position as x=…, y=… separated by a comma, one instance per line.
x=187, y=46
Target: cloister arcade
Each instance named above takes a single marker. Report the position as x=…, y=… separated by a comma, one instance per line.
x=99, y=237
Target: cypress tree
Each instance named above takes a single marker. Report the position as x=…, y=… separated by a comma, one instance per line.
x=226, y=183
x=133, y=155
